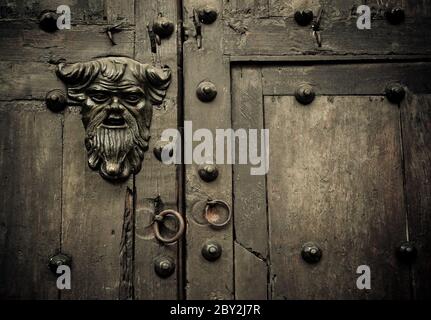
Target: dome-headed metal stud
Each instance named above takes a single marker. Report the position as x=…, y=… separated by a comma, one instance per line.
x=56, y=100
x=208, y=172
x=160, y=146
x=207, y=15
x=304, y=17
x=206, y=91
x=311, y=253
x=48, y=21
x=164, y=266
x=163, y=27
x=395, y=92
x=407, y=252
x=211, y=250
x=305, y=94
x=395, y=15
x=59, y=260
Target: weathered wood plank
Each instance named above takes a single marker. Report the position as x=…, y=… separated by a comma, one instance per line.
x=93, y=218
x=25, y=42
x=342, y=188
x=156, y=179
x=30, y=198
x=416, y=122
x=207, y=63
x=343, y=9
x=368, y=79
x=251, y=228
x=256, y=8
x=281, y=36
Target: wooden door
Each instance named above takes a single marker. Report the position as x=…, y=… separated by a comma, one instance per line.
x=51, y=201
x=347, y=172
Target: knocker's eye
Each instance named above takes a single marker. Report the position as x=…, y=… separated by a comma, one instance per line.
x=99, y=97
x=132, y=98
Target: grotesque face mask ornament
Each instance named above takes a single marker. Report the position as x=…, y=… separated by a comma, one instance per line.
x=117, y=95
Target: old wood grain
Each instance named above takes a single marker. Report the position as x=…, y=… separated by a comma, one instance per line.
x=368, y=79
x=416, y=124
x=156, y=180
x=207, y=280
x=93, y=217
x=341, y=186
x=30, y=198
x=251, y=228
x=279, y=36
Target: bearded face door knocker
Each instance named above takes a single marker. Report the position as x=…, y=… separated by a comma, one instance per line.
x=117, y=95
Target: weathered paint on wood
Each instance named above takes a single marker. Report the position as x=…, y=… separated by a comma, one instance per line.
x=416, y=124
x=335, y=179
x=30, y=199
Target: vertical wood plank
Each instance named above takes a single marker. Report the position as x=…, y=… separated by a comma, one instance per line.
x=156, y=179
x=416, y=124
x=93, y=218
x=30, y=199
x=207, y=280
x=335, y=179
x=251, y=229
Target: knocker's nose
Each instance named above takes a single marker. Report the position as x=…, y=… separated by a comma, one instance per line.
x=116, y=106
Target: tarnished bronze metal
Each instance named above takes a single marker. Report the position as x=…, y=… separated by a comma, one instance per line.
x=160, y=146
x=304, y=17
x=159, y=219
x=48, y=21
x=207, y=15
x=407, y=252
x=59, y=260
x=117, y=95
x=395, y=15
x=305, y=94
x=164, y=266
x=163, y=27
x=206, y=91
x=311, y=252
x=211, y=250
x=208, y=172
x=395, y=92
x=56, y=100
x=212, y=218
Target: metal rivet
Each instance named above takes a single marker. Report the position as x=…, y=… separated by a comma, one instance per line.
x=395, y=15
x=206, y=91
x=208, y=172
x=311, y=253
x=56, y=100
x=163, y=27
x=207, y=15
x=407, y=252
x=48, y=21
x=211, y=250
x=305, y=94
x=158, y=148
x=59, y=260
x=304, y=17
x=164, y=266
x=395, y=92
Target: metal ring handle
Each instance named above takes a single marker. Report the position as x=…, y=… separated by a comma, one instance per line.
x=159, y=218
x=213, y=203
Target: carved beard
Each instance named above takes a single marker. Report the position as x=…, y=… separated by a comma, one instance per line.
x=115, y=152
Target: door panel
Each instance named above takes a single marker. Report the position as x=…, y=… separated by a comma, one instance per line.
x=335, y=179
x=30, y=199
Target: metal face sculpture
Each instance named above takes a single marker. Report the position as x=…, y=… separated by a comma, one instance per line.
x=117, y=95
